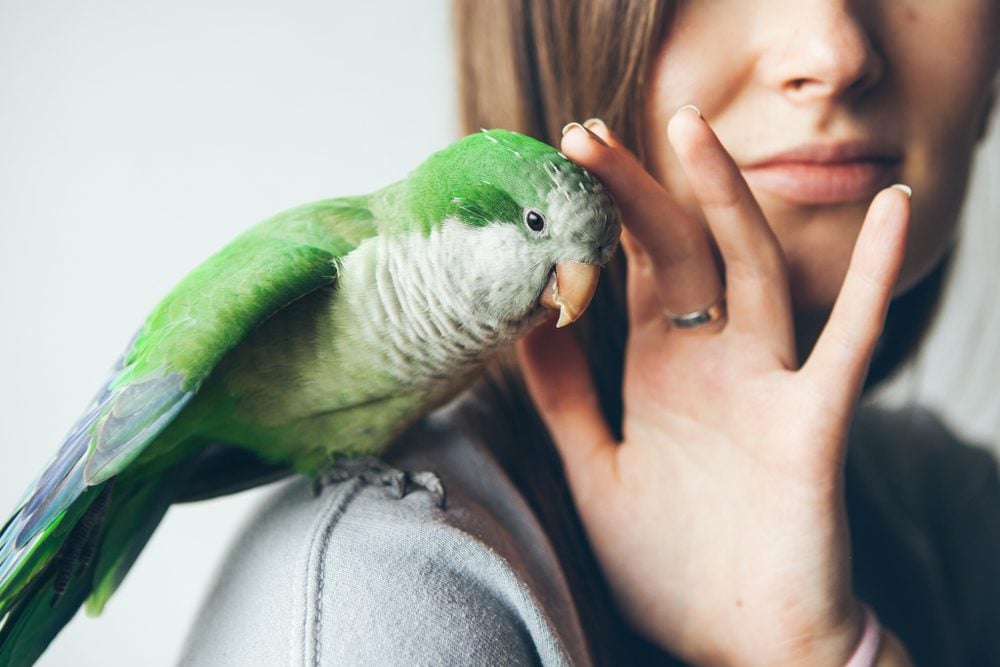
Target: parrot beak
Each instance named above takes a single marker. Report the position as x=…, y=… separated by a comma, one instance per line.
x=570, y=290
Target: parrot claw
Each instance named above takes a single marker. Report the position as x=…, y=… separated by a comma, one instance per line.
x=431, y=483
x=372, y=470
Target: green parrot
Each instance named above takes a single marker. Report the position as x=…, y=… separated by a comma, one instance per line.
x=314, y=338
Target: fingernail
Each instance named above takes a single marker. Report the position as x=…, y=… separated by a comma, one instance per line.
x=596, y=123
x=569, y=127
x=596, y=137
x=905, y=189
x=690, y=107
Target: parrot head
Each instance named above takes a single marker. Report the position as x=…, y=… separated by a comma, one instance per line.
x=528, y=228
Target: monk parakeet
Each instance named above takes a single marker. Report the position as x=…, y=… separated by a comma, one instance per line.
x=321, y=333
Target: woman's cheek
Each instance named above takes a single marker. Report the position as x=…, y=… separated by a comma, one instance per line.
x=944, y=58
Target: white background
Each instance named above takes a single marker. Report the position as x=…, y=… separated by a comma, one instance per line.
x=138, y=137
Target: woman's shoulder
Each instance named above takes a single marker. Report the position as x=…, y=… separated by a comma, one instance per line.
x=924, y=513
x=357, y=575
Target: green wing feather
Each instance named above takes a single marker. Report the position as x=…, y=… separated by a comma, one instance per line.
x=211, y=311
x=204, y=317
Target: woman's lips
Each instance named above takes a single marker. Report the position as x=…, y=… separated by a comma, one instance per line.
x=804, y=182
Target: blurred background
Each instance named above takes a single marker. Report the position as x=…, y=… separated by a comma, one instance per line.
x=137, y=138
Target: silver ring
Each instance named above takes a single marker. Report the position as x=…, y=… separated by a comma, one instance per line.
x=714, y=312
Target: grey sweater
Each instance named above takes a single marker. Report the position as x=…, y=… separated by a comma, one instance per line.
x=357, y=577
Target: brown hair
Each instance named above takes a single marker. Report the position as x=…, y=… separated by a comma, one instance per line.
x=532, y=66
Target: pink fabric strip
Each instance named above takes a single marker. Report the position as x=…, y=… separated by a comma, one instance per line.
x=867, y=650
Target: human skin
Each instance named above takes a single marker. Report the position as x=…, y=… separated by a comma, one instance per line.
x=719, y=518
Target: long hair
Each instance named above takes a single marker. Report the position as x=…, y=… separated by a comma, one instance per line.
x=532, y=66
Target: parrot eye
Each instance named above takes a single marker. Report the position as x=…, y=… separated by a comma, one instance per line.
x=534, y=220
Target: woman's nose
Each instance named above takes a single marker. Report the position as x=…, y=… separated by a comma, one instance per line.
x=819, y=50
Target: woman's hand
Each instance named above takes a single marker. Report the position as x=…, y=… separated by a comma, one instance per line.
x=719, y=519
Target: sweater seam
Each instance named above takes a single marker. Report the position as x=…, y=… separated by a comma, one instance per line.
x=315, y=573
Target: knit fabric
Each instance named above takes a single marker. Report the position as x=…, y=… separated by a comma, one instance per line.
x=358, y=577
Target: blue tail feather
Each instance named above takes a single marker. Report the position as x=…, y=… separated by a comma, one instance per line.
x=118, y=424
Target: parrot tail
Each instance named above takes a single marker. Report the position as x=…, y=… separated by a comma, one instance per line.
x=81, y=557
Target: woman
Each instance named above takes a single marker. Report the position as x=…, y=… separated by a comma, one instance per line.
x=704, y=417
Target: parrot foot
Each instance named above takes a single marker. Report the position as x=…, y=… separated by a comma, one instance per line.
x=372, y=470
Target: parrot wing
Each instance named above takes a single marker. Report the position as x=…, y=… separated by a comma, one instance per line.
x=209, y=312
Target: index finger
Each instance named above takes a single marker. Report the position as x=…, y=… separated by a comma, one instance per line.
x=679, y=250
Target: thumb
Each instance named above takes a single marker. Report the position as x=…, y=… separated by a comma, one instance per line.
x=558, y=379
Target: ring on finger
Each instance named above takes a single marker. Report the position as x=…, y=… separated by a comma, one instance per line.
x=713, y=312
